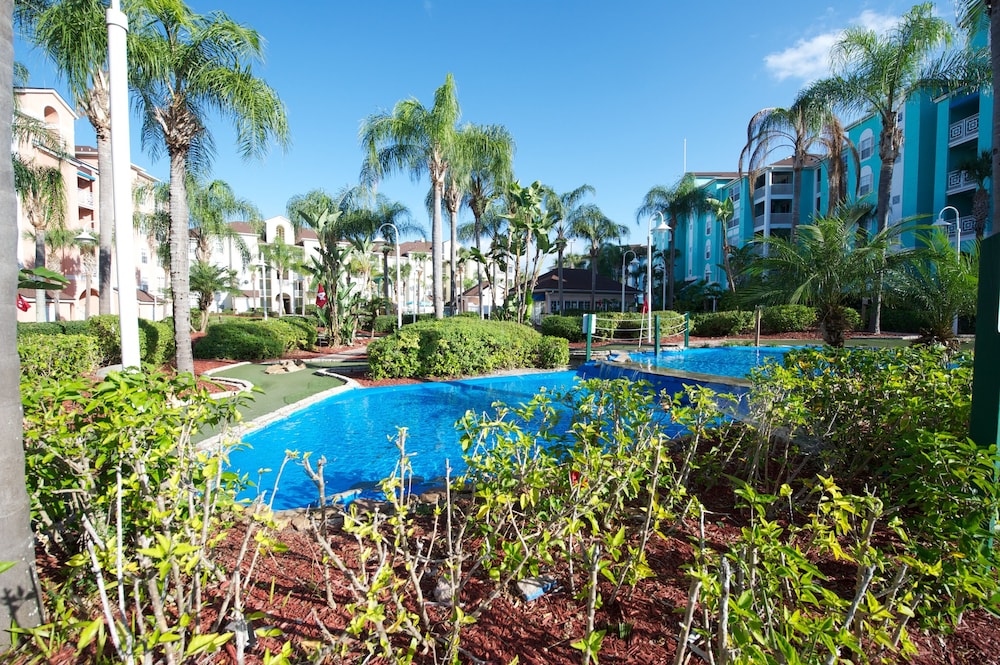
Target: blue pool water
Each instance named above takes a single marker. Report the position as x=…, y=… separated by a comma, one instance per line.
x=355, y=431
x=735, y=361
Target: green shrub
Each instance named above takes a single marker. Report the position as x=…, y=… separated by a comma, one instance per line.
x=552, y=352
x=721, y=324
x=385, y=323
x=628, y=325
x=306, y=327
x=59, y=357
x=244, y=340
x=25, y=328
x=569, y=328
x=74, y=327
x=904, y=320
x=853, y=318
x=458, y=346
x=289, y=333
x=156, y=339
x=787, y=318
x=156, y=342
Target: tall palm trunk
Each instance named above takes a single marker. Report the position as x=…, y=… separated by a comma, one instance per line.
x=180, y=263
x=437, y=249
x=593, y=278
x=41, y=306
x=796, y=197
x=668, y=265
x=888, y=149
x=453, y=259
x=995, y=62
x=106, y=210
x=18, y=585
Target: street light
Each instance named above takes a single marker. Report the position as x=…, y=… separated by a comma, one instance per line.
x=958, y=246
x=662, y=228
x=399, y=302
x=86, y=240
x=263, y=283
x=634, y=257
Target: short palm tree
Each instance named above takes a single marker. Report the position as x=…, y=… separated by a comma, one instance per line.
x=206, y=281
x=418, y=140
x=939, y=284
x=192, y=65
x=282, y=258
x=212, y=207
x=830, y=263
x=563, y=208
x=588, y=223
x=43, y=198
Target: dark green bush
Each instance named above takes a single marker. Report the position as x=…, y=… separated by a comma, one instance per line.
x=74, y=327
x=385, y=323
x=569, y=328
x=787, y=318
x=628, y=325
x=25, y=328
x=156, y=342
x=458, y=346
x=721, y=324
x=853, y=318
x=59, y=357
x=552, y=352
x=289, y=333
x=306, y=327
x=903, y=320
x=156, y=339
x=243, y=340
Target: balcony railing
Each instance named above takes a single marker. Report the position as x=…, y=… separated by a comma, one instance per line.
x=777, y=219
x=963, y=130
x=85, y=198
x=959, y=181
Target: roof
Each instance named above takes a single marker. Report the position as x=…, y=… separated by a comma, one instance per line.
x=578, y=279
x=414, y=246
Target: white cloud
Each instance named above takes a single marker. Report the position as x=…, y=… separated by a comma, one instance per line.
x=809, y=59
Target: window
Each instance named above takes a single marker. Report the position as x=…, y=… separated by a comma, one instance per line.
x=866, y=146
x=865, y=183
x=708, y=250
x=708, y=274
x=709, y=222
x=143, y=258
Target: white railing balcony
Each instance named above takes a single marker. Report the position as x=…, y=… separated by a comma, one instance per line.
x=85, y=198
x=968, y=224
x=781, y=189
x=959, y=181
x=963, y=130
x=781, y=219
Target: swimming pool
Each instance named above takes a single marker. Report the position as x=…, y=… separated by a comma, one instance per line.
x=355, y=431
x=733, y=361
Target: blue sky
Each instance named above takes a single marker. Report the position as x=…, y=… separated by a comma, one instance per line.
x=598, y=93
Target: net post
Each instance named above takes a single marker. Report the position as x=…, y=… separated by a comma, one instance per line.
x=687, y=328
x=656, y=328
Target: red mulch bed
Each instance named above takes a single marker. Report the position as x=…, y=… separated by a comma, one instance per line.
x=289, y=590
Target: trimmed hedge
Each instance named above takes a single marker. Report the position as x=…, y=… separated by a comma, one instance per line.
x=156, y=339
x=721, y=324
x=384, y=323
x=569, y=328
x=59, y=357
x=29, y=328
x=462, y=346
x=242, y=340
x=787, y=318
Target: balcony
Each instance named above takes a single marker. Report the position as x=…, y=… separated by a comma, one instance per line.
x=963, y=130
x=968, y=224
x=85, y=199
x=777, y=219
x=959, y=181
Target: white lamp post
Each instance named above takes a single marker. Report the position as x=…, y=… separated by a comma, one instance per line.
x=958, y=245
x=86, y=240
x=627, y=252
x=663, y=227
x=263, y=285
x=399, y=301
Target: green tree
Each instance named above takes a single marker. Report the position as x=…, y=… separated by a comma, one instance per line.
x=206, y=281
x=18, y=583
x=418, y=140
x=588, y=223
x=685, y=198
x=212, y=206
x=74, y=35
x=724, y=212
x=980, y=169
x=830, y=263
x=876, y=73
x=939, y=284
x=563, y=208
x=196, y=64
x=282, y=258
x=801, y=127
x=43, y=199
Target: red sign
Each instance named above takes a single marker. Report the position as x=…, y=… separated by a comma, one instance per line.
x=645, y=307
x=321, y=296
x=22, y=304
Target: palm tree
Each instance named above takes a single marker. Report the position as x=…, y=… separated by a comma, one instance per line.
x=683, y=199
x=418, y=140
x=724, y=212
x=194, y=64
x=973, y=16
x=800, y=127
x=980, y=169
x=282, y=258
x=43, y=198
x=876, y=73
x=563, y=207
x=206, y=281
x=830, y=263
x=938, y=283
x=19, y=582
x=587, y=222
x=74, y=35
x=212, y=207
